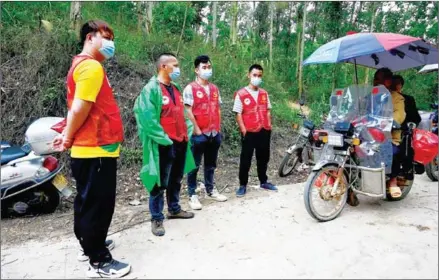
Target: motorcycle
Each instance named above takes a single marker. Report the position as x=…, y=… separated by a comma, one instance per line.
x=357, y=154
x=307, y=148
x=432, y=167
x=31, y=182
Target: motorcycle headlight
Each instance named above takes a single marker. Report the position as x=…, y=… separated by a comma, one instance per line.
x=335, y=140
x=304, y=131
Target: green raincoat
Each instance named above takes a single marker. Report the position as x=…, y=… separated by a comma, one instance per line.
x=147, y=110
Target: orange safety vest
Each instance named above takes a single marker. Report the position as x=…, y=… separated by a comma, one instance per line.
x=206, y=108
x=103, y=125
x=254, y=114
x=172, y=115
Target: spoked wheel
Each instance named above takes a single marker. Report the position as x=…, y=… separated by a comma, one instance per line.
x=290, y=162
x=319, y=202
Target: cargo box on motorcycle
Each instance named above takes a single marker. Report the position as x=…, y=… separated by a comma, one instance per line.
x=40, y=135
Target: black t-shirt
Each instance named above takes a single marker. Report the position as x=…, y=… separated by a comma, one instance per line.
x=170, y=89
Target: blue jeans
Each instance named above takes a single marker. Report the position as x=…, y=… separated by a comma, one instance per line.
x=207, y=146
x=172, y=160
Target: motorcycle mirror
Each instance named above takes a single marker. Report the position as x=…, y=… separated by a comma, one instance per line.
x=411, y=125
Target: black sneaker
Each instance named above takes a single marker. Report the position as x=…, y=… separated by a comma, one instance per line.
x=83, y=257
x=157, y=228
x=181, y=215
x=110, y=269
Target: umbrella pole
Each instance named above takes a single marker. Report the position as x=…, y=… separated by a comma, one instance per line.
x=356, y=73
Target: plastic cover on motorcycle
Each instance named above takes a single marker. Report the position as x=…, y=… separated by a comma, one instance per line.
x=370, y=110
x=334, y=99
x=425, y=144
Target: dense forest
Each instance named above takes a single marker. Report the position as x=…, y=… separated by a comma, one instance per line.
x=38, y=40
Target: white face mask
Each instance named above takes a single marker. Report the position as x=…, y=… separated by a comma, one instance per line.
x=206, y=74
x=256, y=81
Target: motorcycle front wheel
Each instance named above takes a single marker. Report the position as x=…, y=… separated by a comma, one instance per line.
x=290, y=162
x=319, y=202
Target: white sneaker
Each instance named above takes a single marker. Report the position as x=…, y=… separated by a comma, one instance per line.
x=215, y=195
x=194, y=203
x=83, y=257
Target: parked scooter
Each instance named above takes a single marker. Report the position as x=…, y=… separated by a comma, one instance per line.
x=432, y=168
x=31, y=182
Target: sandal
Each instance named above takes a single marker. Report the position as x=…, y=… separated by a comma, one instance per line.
x=395, y=191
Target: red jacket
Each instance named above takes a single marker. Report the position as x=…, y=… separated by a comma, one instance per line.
x=254, y=113
x=172, y=115
x=206, y=108
x=103, y=125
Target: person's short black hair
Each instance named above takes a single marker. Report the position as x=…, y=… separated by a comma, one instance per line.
x=387, y=73
x=160, y=56
x=255, y=66
x=94, y=26
x=398, y=79
x=201, y=59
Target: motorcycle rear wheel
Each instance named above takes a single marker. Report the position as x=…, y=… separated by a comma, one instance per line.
x=289, y=162
x=310, y=186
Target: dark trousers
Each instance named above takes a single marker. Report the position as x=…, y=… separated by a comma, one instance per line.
x=407, y=155
x=172, y=160
x=94, y=204
x=259, y=141
x=207, y=146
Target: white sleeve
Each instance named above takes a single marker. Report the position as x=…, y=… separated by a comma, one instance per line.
x=269, y=102
x=237, y=105
x=188, y=97
x=219, y=98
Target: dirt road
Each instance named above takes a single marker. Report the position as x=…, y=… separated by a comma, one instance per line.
x=265, y=235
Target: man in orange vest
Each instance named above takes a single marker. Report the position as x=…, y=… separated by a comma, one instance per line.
x=164, y=129
x=202, y=100
x=94, y=132
x=252, y=107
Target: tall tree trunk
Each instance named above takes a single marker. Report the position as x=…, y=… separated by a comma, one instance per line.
x=139, y=11
x=358, y=13
x=234, y=27
x=183, y=27
x=149, y=17
x=271, y=34
x=372, y=26
x=354, y=4
x=299, y=38
x=214, y=29
x=75, y=15
x=302, y=47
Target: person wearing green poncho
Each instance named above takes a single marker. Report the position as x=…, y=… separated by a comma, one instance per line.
x=163, y=128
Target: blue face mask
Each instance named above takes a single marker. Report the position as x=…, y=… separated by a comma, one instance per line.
x=175, y=74
x=107, y=49
x=205, y=74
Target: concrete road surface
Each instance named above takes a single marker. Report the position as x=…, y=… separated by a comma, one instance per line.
x=265, y=235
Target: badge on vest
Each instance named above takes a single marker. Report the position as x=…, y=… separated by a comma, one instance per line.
x=215, y=95
x=199, y=94
x=263, y=99
x=165, y=100
x=247, y=101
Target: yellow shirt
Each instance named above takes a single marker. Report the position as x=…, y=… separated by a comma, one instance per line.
x=88, y=77
x=398, y=115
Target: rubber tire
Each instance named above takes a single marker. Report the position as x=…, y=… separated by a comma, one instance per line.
x=54, y=199
x=307, y=192
x=405, y=192
x=285, y=161
x=430, y=172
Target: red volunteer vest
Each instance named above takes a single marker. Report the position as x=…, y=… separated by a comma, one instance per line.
x=103, y=125
x=206, y=108
x=254, y=113
x=172, y=115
